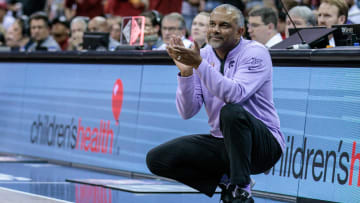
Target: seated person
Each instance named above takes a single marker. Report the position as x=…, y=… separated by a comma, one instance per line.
x=16, y=37
x=99, y=24
x=173, y=24
x=60, y=31
x=262, y=26
x=152, y=39
x=114, y=24
x=332, y=12
x=40, y=34
x=77, y=27
x=302, y=16
x=199, y=28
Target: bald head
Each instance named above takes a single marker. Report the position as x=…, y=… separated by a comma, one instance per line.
x=98, y=24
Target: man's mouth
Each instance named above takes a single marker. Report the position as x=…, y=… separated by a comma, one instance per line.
x=216, y=38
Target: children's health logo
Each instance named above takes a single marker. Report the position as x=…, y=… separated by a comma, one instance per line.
x=100, y=139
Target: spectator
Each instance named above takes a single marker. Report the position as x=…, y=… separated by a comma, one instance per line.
x=40, y=34
x=60, y=31
x=302, y=16
x=16, y=36
x=200, y=26
x=5, y=20
x=78, y=27
x=173, y=24
x=115, y=29
x=99, y=24
x=332, y=12
x=126, y=7
x=262, y=26
x=88, y=8
x=152, y=37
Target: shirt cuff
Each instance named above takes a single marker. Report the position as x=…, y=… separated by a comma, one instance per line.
x=185, y=81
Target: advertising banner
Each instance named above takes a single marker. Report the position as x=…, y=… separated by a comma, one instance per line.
x=110, y=116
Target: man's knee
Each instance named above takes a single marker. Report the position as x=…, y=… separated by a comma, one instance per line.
x=232, y=111
x=160, y=161
x=152, y=161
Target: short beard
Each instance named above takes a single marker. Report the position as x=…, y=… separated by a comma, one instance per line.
x=215, y=45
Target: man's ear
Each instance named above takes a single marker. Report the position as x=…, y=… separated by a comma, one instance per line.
x=241, y=31
x=271, y=26
x=184, y=32
x=342, y=19
x=157, y=28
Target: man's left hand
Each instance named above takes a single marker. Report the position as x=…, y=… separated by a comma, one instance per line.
x=186, y=56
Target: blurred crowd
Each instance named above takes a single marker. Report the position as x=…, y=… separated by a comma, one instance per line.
x=60, y=25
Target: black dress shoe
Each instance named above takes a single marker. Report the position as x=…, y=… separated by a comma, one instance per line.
x=226, y=194
x=241, y=196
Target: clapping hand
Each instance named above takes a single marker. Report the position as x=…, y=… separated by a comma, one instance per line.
x=184, y=58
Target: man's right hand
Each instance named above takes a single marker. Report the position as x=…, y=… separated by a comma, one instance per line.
x=185, y=70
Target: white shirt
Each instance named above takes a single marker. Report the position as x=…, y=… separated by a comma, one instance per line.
x=274, y=40
x=354, y=14
x=187, y=44
x=332, y=42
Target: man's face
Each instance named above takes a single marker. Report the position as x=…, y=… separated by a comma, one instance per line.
x=13, y=35
x=115, y=32
x=171, y=27
x=93, y=26
x=60, y=32
x=298, y=21
x=328, y=15
x=199, y=28
x=258, y=30
x=223, y=31
x=39, y=29
x=77, y=27
x=96, y=26
x=148, y=30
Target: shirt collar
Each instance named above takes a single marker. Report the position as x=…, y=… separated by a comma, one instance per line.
x=232, y=52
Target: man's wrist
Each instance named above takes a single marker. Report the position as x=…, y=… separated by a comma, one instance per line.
x=196, y=66
x=186, y=73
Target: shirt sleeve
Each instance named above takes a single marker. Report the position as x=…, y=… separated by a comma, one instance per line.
x=189, y=97
x=253, y=69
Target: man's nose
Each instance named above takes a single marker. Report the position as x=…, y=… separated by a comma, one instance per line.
x=215, y=29
x=320, y=20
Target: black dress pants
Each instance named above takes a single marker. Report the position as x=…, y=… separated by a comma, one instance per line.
x=200, y=161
